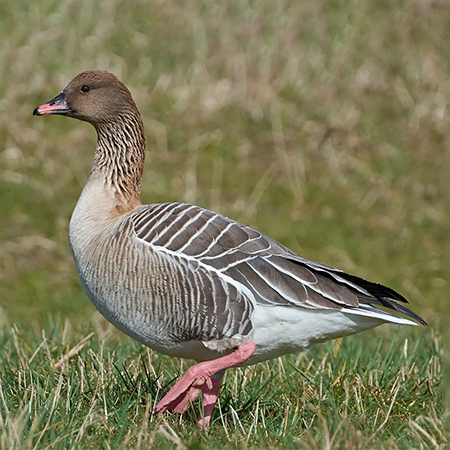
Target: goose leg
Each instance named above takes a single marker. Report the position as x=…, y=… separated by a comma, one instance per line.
x=209, y=399
x=200, y=378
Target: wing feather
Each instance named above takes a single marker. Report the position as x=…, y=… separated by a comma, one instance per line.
x=242, y=258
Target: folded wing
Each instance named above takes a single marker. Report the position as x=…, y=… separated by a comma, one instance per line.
x=273, y=274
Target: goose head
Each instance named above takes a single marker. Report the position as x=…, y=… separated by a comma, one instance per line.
x=95, y=96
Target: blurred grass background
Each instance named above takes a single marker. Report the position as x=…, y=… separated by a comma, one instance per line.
x=323, y=124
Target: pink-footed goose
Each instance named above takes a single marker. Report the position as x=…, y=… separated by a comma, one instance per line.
x=189, y=282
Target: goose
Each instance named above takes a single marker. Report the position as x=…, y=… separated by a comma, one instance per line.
x=189, y=282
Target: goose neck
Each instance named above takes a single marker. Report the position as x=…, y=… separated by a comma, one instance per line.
x=119, y=159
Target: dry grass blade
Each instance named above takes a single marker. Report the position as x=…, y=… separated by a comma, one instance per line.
x=430, y=438
x=167, y=431
x=73, y=351
x=386, y=419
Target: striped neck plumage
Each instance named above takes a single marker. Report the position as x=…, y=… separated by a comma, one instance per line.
x=119, y=158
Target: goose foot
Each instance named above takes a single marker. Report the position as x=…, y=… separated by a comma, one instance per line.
x=203, y=377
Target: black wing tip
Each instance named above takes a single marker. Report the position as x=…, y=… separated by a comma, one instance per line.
x=387, y=296
x=388, y=303
x=422, y=322
x=376, y=289
x=383, y=295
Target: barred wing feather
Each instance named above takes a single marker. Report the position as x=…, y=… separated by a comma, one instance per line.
x=273, y=274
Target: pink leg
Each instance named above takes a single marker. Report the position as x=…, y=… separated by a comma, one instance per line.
x=198, y=378
x=209, y=400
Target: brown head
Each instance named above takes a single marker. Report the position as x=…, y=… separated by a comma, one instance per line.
x=95, y=96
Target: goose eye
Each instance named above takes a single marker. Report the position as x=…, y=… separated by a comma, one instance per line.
x=85, y=88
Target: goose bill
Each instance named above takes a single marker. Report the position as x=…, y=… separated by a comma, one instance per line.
x=56, y=105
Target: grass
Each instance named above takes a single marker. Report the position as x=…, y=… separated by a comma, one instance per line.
x=323, y=124
x=355, y=393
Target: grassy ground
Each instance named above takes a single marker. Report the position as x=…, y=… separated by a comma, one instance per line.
x=324, y=124
x=350, y=394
